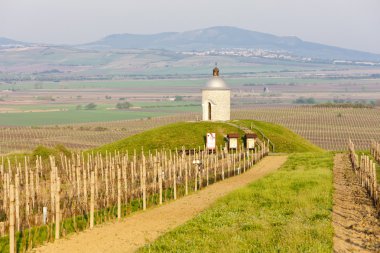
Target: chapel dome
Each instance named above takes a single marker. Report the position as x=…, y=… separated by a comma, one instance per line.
x=216, y=82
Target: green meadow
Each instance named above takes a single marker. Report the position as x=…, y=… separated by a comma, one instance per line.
x=287, y=211
x=70, y=117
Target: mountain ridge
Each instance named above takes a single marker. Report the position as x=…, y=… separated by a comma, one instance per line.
x=216, y=38
x=220, y=37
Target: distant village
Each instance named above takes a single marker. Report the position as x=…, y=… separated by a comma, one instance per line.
x=270, y=54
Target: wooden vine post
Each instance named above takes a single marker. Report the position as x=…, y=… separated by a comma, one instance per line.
x=57, y=208
x=222, y=163
x=200, y=178
x=375, y=194
x=26, y=190
x=196, y=178
x=215, y=159
x=52, y=193
x=160, y=183
x=174, y=183
x=118, y=193
x=12, y=219
x=207, y=168
x=186, y=180
x=17, y=199
x=92, y=200
x=144, y=183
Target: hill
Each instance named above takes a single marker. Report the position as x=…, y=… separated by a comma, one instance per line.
x=173, y=136
x=223, y=37
x=9, y=43
x=192, y=135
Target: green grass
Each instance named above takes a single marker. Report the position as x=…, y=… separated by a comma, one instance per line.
x=192, y=135
x=68, y=114
x=285, y=140
x=288, y=211
x=187, y=134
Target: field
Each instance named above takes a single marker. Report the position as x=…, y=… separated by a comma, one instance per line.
x=339, y=124
x=328, y=128
x=43, y=112
x=69, y=117
x=43, y=102
x=79, y=136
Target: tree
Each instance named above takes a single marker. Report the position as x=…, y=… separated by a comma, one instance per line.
x=90, y=106
x=123, y=105
x=178, y=98
x=303, y=100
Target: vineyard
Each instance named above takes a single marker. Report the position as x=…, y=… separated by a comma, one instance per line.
x=46, y=199
x=366, y=169
x=328, y=128
x=79, y=136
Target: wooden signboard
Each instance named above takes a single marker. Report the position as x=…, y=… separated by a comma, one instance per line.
x=251, y=143
x=233, y=141
x=211, y=141
x=250, y=140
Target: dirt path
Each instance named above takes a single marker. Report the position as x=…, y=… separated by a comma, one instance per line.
x=143, y=227
x=356, y=228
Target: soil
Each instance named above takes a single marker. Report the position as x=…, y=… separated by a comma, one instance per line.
x=143, y=227
x=355, y=220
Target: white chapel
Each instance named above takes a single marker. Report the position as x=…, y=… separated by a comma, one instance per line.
x=216, y=99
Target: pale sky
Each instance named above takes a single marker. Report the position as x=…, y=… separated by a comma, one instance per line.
x=351, y=24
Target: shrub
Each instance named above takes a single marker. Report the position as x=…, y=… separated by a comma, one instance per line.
x=123, y=105
x=62, y=149
x=178, y=98
x=90, y=106
x=43, y=151
x=99, y=128
x=303, y=100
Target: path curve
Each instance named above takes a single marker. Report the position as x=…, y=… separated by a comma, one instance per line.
x=140, y=228
x=356, y=226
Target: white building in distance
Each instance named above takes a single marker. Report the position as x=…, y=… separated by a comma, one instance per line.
x=216, y=99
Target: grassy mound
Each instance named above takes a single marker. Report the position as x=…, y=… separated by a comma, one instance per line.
x=187, y=134
x=192, y=135
x=285, y=140
x=270, y=215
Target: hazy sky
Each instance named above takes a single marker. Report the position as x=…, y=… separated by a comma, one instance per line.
x=347, y=23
